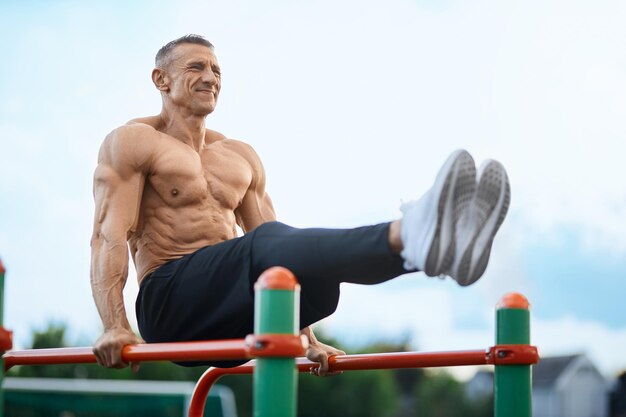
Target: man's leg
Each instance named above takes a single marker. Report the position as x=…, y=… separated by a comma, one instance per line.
x=423, y=240
x=321, y=259
x=449, y=230
x=362, y=255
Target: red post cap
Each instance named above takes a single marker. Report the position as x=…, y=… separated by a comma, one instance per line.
x=2, y=270
x=513, y=300
x=277, y=278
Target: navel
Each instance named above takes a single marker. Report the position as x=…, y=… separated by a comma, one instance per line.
x=174, y=192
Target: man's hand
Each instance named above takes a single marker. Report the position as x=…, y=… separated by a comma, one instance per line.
x=319, y=352
x=108, y=348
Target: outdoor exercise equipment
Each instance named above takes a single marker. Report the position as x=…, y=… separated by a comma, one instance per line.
x=275, y=345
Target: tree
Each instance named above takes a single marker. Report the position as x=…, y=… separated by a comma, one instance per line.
x=52, y=336
x=441, y=395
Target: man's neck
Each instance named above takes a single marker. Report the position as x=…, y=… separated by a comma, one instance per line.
x=187, y=128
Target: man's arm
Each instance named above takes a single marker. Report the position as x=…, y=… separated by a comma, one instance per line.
x=256, y=206
x=118, y=186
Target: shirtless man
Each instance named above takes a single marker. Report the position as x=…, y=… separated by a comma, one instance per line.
x=173, y=192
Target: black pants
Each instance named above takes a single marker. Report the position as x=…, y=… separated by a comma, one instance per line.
x=208, y=295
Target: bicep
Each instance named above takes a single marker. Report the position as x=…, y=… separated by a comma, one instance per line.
x=118, y=182
x=256, y=208
x=117, y=201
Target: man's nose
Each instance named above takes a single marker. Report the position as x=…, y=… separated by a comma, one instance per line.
x=209, y=77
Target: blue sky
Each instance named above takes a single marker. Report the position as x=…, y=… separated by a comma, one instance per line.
x=352, y=106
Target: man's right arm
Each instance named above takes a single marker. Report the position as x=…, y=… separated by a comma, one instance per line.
x=119, y=179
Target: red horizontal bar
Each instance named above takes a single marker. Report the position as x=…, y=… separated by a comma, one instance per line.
x=407, y=360
x=179, y=351
x=345, y=363
x=48, y=357
x=187, y=351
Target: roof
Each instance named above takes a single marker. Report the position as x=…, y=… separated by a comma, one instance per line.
x=548, y=370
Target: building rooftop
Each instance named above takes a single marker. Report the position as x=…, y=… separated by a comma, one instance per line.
x=547, y=371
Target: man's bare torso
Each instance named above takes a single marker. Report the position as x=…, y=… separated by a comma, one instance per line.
x=190, y=198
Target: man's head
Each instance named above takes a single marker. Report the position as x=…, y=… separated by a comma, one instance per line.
x=188, y=75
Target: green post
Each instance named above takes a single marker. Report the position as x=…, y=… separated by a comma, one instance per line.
x=512, y=385
x=277, y=311
x=2, y=270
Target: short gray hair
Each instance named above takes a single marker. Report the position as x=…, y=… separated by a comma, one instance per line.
x=162, y=57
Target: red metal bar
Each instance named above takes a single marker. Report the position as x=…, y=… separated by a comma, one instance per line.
x=206, y=381
x=180, y=351
x=407, y=360
x=48, y=357
x=344, y=363
x=504, y=354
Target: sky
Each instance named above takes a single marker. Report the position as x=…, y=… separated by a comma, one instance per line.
x=352, y=106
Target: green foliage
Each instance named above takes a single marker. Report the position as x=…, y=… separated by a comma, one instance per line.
x=441, y=395
x=364, y=393
x=51, y=337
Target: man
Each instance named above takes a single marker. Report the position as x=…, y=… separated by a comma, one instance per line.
x=174, y=191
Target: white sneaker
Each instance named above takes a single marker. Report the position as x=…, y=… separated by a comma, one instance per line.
x=478, y=225
x=428, y=224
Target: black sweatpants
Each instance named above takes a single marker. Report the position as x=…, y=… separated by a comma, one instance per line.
x=208, y=294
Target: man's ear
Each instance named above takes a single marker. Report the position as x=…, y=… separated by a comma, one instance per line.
x=160, y=79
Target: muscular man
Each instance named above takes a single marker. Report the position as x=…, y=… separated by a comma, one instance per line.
x=173, y=192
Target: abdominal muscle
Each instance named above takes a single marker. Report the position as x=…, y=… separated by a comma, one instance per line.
x=168, y=233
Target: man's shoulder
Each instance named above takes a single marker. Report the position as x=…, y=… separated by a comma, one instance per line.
x=130, y=135
x=131, y=143
x=244, y=149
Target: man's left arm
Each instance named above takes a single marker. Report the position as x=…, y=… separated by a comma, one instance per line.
x=256, y=206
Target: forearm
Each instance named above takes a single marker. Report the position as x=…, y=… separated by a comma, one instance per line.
x=109, y=271
x=308, y=332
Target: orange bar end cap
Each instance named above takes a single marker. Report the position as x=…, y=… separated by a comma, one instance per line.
x=277, y=278
x=513, y=300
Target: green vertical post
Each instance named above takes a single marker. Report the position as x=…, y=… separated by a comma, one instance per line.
x=277, y=311
x=512, y=384
x=2, y=271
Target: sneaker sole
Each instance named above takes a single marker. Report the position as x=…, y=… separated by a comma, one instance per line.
x=454, y=187
x=485, y=214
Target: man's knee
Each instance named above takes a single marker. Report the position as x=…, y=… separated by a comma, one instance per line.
x=272, y=228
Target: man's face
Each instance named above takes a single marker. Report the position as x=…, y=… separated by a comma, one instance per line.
x=194, y=78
